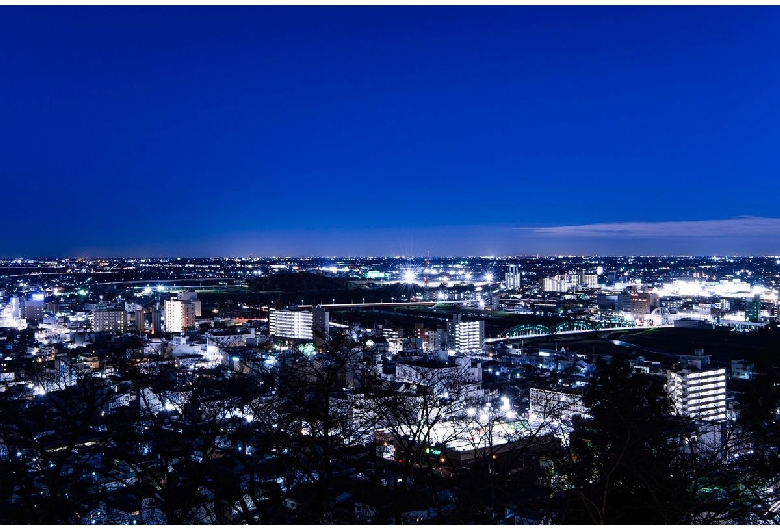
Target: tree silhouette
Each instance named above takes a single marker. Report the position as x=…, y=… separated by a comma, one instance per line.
x=623, y=464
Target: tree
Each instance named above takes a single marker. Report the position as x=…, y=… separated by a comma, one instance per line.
x=168, y=450
x=759, y=425
x=419, y=415
x=623, y=461
x=313, y=425
x=52, y=450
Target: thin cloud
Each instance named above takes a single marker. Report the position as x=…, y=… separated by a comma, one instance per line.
x=739, y=226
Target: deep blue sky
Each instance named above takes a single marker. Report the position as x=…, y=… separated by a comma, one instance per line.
x=389, y=130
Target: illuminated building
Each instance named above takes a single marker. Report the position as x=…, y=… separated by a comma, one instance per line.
x=553, y=284
x=34, y=307
x=444, y=375
x=753, y=309
x=465, y=336
x=589, y=281
x=191, y=297
x=549, y=405
x=286, y=324
x=698, y=393
x=111, y=318
x=638, y=304
x=394, y=340
x=560, y=283
x=179, y=315
x=513, y=277
x=180, y=312
x=135, y=316
x=15, y=307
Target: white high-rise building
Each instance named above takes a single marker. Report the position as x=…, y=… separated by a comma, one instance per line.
x=513, y=277
x=179, y=315
x=192, y=297
x=465, y=336
x=180, y=312
x=699, y=394
x=589, y=280
x=560, y=283
x=287, y=324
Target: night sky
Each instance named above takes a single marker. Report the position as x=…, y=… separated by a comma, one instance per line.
x=389, y=130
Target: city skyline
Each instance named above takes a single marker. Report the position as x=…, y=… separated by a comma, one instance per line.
x=389, y=130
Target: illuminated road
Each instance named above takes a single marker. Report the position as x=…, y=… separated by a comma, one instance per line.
x=382, y=304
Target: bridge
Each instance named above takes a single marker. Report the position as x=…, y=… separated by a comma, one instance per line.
x=566, y=327
x=381, y=304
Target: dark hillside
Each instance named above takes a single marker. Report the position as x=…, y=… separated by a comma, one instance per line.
x=296, y=282
x=722, y=344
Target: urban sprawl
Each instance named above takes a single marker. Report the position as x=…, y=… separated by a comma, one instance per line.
x=390, y=390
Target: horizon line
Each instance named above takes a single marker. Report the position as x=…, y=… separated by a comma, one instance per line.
x=360, y=256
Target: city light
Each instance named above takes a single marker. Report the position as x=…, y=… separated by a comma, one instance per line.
x=452, y=357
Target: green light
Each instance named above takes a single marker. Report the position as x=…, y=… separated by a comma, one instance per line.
x=307, y=348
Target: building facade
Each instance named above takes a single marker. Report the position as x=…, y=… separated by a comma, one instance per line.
x=698, y=394
x=179, y=315
x=513, y=277
x=109, y=318
x=465, y=336
x=550, y=405
x=286, y=324
x=180, y=312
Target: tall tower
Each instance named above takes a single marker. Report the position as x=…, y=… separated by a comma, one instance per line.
x=513, y=277
x=426, y=269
